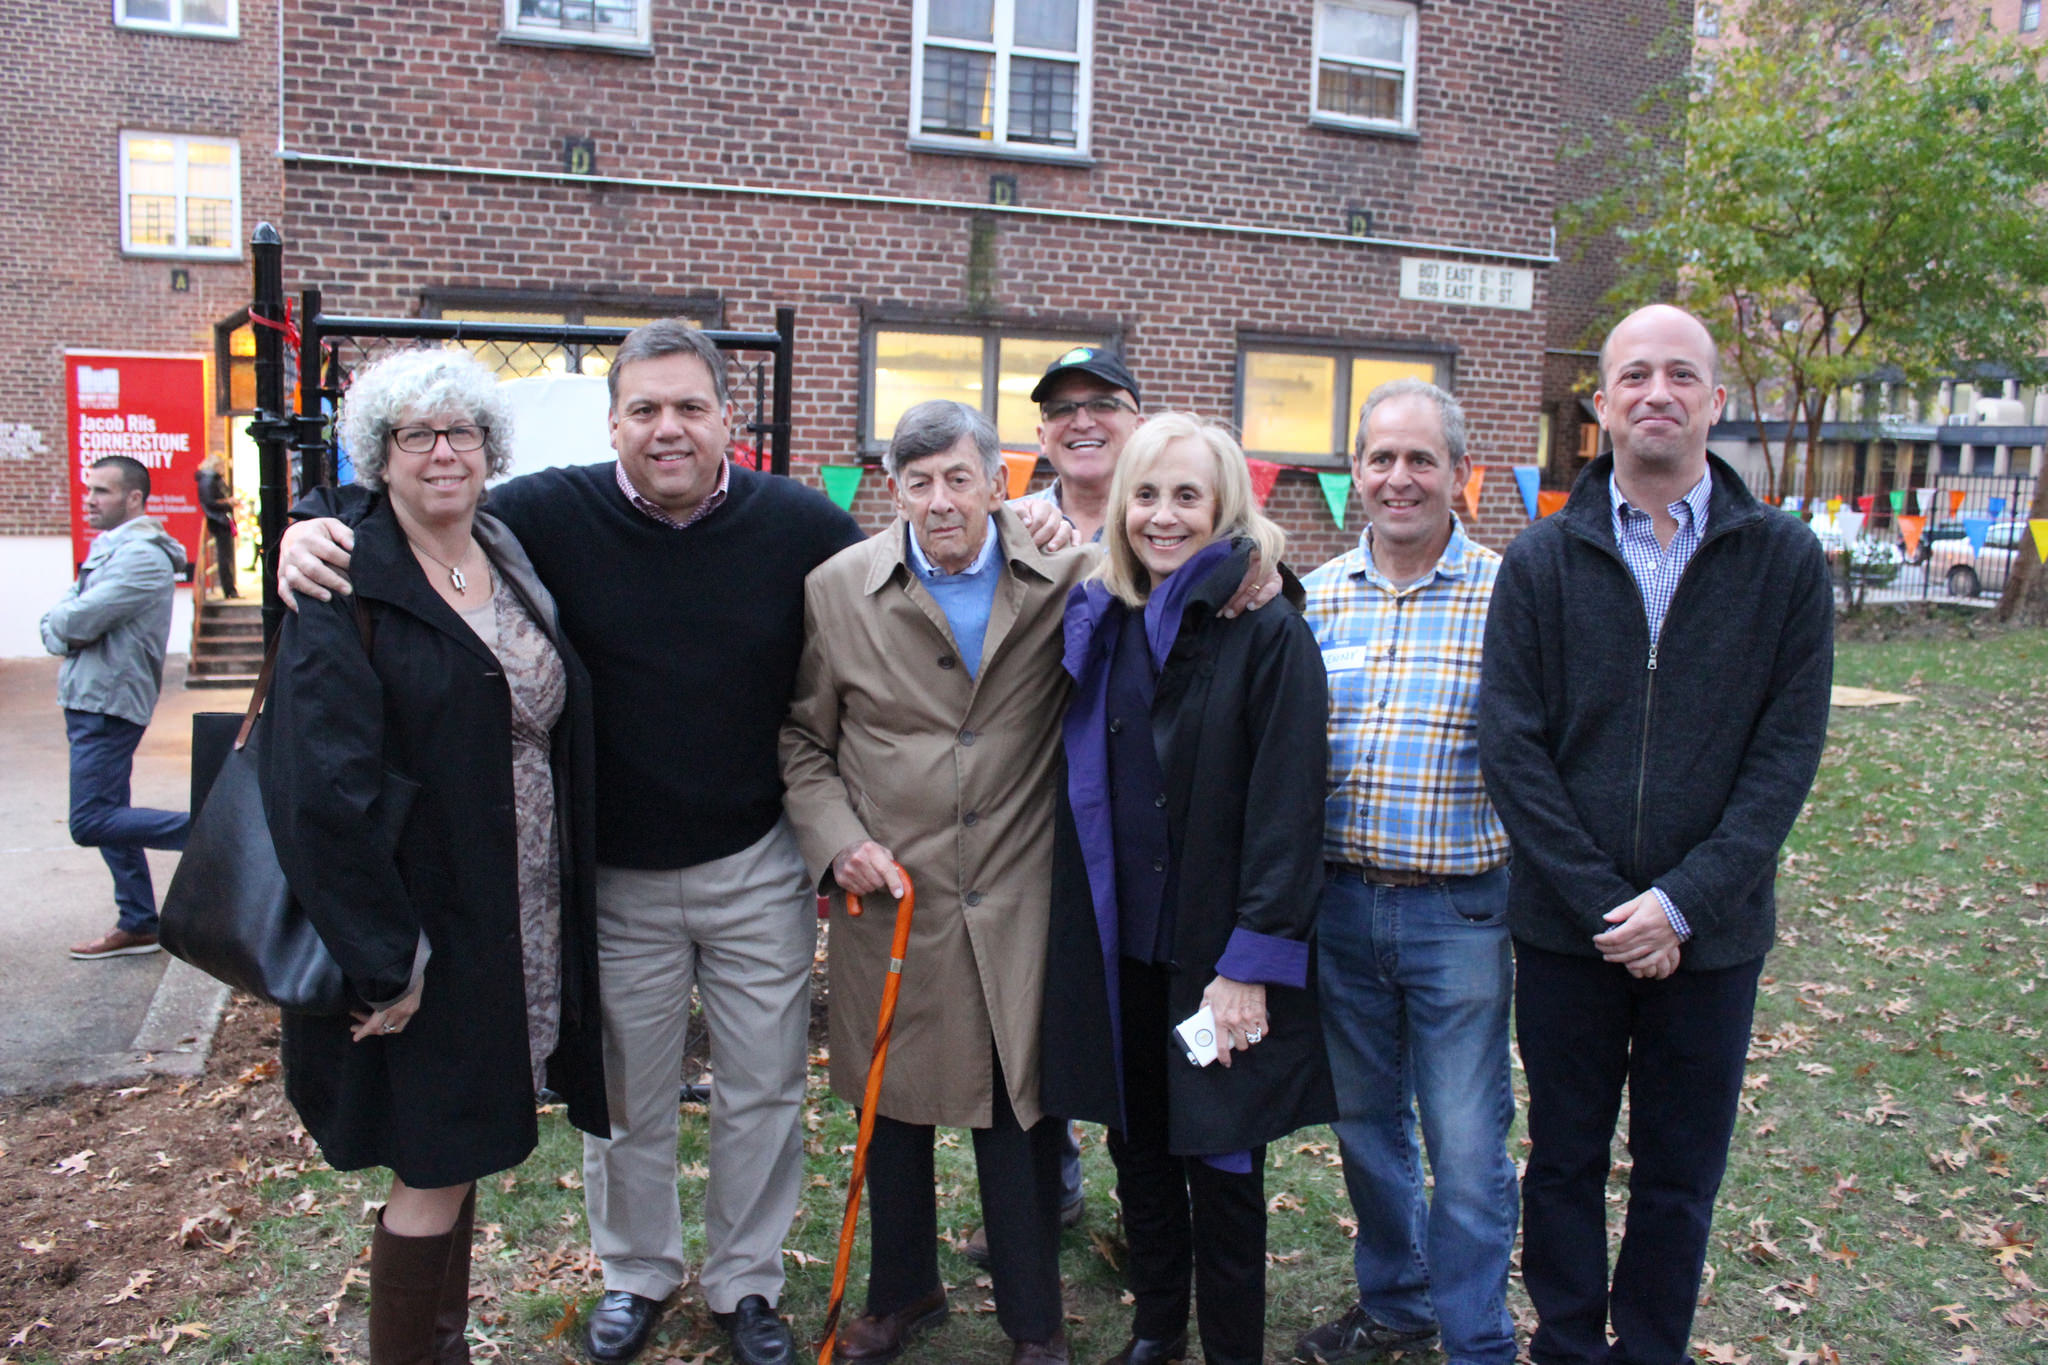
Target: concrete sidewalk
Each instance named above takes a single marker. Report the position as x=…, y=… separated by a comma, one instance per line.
x=62, y=1022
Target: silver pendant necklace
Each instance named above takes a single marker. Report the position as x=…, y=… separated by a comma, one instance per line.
x=455, y=575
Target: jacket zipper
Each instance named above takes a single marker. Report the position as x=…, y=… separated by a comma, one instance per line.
x=1643, y=753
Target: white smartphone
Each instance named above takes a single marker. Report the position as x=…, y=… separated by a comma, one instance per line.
x=1198, y=1036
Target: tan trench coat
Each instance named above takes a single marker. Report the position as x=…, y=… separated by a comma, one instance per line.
x=889, y=739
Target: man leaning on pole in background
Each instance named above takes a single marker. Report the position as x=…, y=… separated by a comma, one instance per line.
x=111, y=629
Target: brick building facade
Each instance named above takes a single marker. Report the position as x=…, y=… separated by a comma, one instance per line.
x=949, y=192
x=77, y=80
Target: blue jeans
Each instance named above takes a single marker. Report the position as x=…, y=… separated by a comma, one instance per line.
x=102, y=757
x=1416, y=987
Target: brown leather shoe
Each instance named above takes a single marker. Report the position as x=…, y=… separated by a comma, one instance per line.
x=874, y=1339
x=1053, y=1352
x=114, y=943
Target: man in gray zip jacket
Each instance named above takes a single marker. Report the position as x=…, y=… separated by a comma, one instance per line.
x=111, y=629
x=1653, y=704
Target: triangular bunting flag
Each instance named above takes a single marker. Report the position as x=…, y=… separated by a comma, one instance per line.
x=1791, y=502
x=1527, y=476
x=1955, y=501
x=1863, y=503
x=1926, y=496
x=1549, y=500
x=1898, y=500
x=1998, y=507
x=1264, y=475
x=1976, y=528
x=1336, y=492
x=2039, y=526
x=1472, y=489
x=841, y=482
x=1834, y=506
x=1910, y=527
x=1020, y=469
x=1850, y=524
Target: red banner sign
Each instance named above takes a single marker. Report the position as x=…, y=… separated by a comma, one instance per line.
x=150, y=408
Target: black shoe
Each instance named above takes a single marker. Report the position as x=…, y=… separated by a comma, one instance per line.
x=1140, y=1351
x=759, y=1337
x=619, y=1327
x=1358, y=1335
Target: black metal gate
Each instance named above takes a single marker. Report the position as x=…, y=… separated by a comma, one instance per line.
x=297, y=449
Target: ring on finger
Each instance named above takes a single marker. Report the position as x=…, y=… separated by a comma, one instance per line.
x=1254, y=1035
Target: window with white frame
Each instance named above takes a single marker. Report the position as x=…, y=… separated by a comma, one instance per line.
x=1299, y=402
x=603, y=23
x=2030, y=15
x=181, y=196
x=1365, y=63
x=198, y=18
x=1002, y=75
x=991, y=368
x=1706, y=21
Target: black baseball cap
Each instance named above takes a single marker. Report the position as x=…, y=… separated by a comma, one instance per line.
x=1104, y=364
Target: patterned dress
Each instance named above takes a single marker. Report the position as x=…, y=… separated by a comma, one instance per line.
x=540, y=688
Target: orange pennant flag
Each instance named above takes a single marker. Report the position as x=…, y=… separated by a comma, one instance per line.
x=1910, y=528
x=2039, y=526
x=1955, y=501
x=1549, y=500
x=1021, y=468
x=1472, y=489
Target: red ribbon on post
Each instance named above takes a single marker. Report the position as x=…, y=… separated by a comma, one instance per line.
x=877, y=1064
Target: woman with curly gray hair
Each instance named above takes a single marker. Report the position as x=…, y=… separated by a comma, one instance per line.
x=428, y=786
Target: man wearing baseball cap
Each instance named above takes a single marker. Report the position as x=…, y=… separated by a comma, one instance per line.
x=1088, y=407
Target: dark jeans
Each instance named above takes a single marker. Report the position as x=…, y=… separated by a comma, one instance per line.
x=1586, y=1029
x=102, y=757
x=224, y=557
x=1019, y=1173
x=1181, y=1213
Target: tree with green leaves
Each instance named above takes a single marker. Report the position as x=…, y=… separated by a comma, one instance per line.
x=1845, y=187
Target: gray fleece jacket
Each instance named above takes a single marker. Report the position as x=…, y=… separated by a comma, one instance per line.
x=112, y=626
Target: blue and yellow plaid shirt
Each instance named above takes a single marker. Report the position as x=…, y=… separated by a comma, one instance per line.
x=1403, y=665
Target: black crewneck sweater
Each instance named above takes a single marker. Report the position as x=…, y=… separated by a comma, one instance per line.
x=691, y=638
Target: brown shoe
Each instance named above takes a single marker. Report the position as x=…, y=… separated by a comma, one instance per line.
x=1053, y=1352
x=874, y=1339
x=114, y=943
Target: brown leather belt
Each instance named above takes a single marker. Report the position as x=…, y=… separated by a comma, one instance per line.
x=1381, y=876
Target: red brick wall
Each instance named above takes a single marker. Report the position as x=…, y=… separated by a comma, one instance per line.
x=1200, y=113
x=1615, y=55
x=72, y=82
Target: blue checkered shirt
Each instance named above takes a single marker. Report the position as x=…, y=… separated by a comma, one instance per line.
x=1657, y=570
x=1403, y=666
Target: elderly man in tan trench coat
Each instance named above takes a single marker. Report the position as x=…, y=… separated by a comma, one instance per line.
x=924, y=730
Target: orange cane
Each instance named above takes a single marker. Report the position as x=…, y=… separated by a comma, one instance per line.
x=876, y=1066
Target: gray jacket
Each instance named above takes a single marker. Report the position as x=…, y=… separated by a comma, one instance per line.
x=112, y=626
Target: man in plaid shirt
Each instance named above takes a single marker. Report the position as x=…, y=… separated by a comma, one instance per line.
x=1417, y=971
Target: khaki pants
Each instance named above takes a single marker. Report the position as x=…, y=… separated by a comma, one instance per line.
x=743, y=929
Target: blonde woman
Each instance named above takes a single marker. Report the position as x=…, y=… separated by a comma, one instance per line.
x=1187, y=864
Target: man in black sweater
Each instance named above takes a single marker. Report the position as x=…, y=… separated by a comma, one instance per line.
x=679, y=578
x=1652, y=711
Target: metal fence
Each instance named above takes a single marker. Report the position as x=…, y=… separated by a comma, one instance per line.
x=297, y=448
x=1955, y=536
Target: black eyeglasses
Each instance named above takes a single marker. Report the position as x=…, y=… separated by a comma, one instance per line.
x=463, y=437
x=1102, y=405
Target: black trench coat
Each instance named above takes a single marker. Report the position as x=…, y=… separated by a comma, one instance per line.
x=1238, y=720
x=450, y=1098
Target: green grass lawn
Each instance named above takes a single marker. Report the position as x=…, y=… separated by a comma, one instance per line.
x=1888, y=1179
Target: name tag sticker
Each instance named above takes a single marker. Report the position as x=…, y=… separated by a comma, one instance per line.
x=1343, y=658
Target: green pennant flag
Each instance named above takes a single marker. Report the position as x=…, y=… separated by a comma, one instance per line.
x=1898, y=500
x=842, y=481
x=1337, y=493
